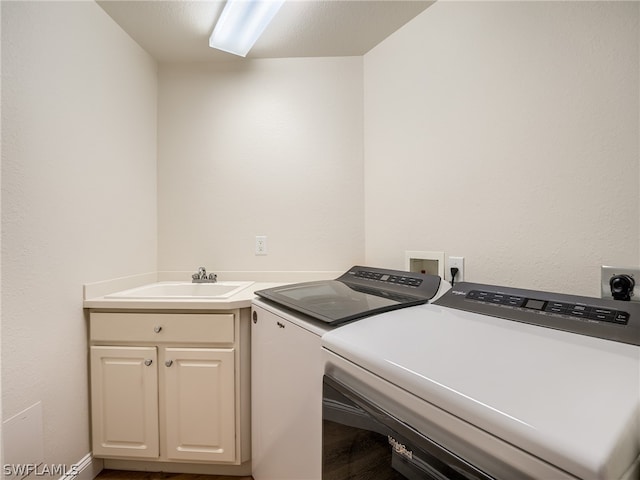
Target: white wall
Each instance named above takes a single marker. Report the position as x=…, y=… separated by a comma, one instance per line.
x=264, y=147
x=78, y=198
x=507, y=133
x=1, y=417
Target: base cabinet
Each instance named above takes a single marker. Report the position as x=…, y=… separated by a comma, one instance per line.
x=176, y=397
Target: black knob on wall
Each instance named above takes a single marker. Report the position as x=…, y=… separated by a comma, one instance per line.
x=622, y=287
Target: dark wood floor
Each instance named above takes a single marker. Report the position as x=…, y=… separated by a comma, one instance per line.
x=127, y=475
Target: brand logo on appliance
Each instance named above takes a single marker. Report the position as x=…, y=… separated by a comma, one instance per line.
x=400, y=448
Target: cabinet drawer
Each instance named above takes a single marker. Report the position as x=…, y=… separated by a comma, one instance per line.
x=158, y=327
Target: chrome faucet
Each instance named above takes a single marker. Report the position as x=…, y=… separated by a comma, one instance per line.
x=202, y=277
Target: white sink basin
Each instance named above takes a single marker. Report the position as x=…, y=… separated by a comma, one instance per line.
x=182, y=290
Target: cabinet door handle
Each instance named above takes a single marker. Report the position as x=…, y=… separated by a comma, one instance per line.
x=157, y=329
x=168, y=363
x=281, y=325
x=148, y=362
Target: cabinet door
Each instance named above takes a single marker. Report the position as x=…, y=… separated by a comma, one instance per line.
x=124, y=394
x=199, y=396
x=286, y=400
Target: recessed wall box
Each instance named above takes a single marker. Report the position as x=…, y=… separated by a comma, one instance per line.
x=427, y=262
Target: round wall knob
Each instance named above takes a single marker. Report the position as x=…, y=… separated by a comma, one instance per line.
x=168, y=363
x=622, y=287
x=157, y=329
x=148, y=362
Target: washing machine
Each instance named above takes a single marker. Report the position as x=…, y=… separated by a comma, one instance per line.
x=487, y=382
x=288, y=322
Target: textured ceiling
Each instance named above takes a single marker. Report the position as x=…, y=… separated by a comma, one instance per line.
x=178, y=31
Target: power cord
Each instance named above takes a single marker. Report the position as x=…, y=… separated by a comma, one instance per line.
x=454, y=272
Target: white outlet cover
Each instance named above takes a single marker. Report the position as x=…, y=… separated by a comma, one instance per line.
x=261, y=245
x=457, y=262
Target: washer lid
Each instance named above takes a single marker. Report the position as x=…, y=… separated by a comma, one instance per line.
x=568, y=399
x=359, y=292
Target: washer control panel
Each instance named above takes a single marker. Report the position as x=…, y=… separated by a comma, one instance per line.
x=400, y=279
x=579, y=310
x=603, y=318
x=382, y=282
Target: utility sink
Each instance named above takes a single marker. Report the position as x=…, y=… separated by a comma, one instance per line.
x=182, y=290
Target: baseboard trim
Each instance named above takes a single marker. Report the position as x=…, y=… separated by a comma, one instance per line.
x=87, y=468
x=178, y=467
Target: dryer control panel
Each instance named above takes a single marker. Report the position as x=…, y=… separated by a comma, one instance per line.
x=597, y=317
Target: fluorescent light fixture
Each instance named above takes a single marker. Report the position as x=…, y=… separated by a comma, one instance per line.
x=241, y=23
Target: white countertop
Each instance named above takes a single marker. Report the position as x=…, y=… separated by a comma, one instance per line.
x=240, y=300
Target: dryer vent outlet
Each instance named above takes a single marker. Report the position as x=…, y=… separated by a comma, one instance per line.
x=620, y=283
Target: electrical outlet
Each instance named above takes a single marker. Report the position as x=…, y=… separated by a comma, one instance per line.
x=457, y=262
x=261, y=245
x=608, y=273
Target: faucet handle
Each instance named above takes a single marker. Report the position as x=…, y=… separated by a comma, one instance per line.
x=202, y=277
